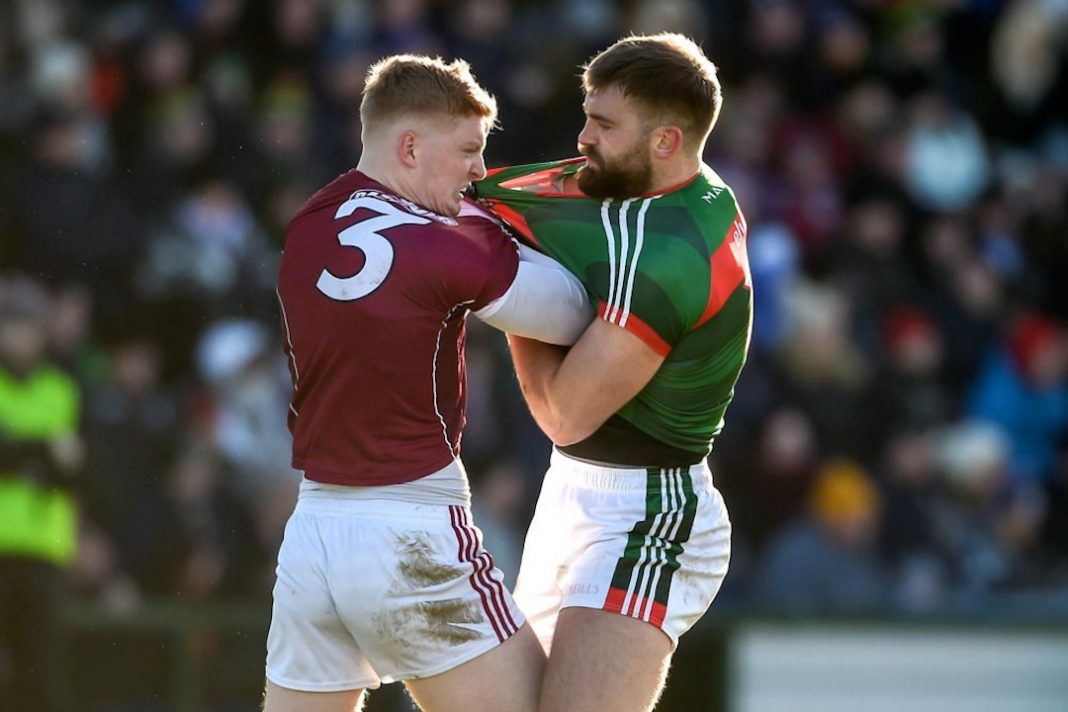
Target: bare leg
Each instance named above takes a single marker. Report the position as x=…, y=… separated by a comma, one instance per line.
x=506, y=679
x=604, y=661
x=281, y=699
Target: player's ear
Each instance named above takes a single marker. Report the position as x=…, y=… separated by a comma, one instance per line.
x=407, y=143
x=666, y=140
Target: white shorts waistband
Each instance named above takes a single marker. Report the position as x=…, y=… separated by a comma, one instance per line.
x=383, y=509
x=620, y=479
x=444, y=487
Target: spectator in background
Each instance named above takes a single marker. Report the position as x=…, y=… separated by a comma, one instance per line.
x=212, y=541
x=911, y=541
x=1023, y=390
x=71, y=223
x=826, y=561
x=823, y=369
x=210, y=258
x=963, y=295
x=908, y=388
x=243, y=406
x=766, y=477
x=989, y=528
x=133, y=432
x=868, y=263
x=40, y=453
x=1027, y=64
x=947, y=164
x=170, y=136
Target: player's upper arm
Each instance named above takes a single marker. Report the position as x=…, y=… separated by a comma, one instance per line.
x=544, y=302
x=605, y=369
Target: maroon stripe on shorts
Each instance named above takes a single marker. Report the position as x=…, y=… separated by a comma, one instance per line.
x=497, y=587
x=465, y=553
x=485, y=575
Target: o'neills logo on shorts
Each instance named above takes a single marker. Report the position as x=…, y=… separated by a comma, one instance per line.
x=581, y=589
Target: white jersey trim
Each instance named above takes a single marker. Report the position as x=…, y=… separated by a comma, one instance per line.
x=621, y=274
x=434, y=373
x=624, y=244
x=607, y=223
x=292, y=351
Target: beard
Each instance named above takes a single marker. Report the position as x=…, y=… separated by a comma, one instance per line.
x=628, y=176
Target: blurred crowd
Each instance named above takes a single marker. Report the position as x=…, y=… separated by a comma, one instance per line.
x=898, y=441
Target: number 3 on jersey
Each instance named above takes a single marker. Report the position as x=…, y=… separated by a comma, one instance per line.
x=366, y=236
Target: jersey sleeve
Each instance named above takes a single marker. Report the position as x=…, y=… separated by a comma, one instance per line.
x=545, y=302
x=485, y=263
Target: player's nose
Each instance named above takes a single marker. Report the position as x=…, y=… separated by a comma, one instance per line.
x=478, y=169
x=586, y=137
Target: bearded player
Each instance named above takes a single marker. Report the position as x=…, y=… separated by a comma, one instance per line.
x=630, y=541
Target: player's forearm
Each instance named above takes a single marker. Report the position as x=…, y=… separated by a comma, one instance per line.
x=570, y=397
x=537, y=366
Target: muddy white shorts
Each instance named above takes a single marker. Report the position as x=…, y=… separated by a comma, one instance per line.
x=373, y=591
x=652, y=544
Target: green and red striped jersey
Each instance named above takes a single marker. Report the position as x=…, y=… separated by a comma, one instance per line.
x=670, y=268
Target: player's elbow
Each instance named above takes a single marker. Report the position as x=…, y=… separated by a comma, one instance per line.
x=568, y=430
x=563, y=438
x=563, y=418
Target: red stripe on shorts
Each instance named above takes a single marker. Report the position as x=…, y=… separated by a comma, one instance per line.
x=613, y=603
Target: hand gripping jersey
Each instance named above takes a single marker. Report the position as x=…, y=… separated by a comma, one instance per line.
x=670, y=268
x=374, y=291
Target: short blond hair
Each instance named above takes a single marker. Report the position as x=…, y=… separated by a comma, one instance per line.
x=408, y=84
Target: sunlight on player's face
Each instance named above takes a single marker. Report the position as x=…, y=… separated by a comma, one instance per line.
x=615, y=143
x=449, y=158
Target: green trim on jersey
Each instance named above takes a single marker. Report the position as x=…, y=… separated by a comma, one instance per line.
x=670, y=268
x=37, y=522
x=641, y=583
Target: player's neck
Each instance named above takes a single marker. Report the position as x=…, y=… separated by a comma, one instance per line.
x=671, y=174
x=381, y=173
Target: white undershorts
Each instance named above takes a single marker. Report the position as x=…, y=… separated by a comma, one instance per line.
x=653, y=544
x=370, y=591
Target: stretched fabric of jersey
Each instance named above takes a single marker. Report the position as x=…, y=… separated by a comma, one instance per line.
x=671, y=268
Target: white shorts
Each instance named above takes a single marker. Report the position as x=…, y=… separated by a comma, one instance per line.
x=651, y=544
x=373, y=591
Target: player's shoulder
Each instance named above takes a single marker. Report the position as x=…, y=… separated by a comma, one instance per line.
x=353, y=190
x=701, y=212
x=709, y=194
x=479, y=223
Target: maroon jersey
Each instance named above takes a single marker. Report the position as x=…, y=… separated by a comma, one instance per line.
x=374, y=293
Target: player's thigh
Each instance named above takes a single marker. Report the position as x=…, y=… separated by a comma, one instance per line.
x=281, y=699
x=505, y=679
x=604, y=661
